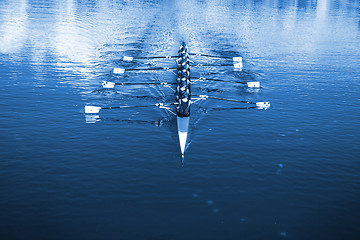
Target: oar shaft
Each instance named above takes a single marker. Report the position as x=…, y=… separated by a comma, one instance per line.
x=214, y=65
x=144, y=69
x=207, y=55
x=157, y=57
x=225, y=99
x=149, y=105
x=145, y=83
x=232, y=100
x=219, y=80
x=118, y=107
x=150, y=69
x=231, y=108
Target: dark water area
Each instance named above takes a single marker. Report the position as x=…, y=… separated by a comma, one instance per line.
x=288, y=172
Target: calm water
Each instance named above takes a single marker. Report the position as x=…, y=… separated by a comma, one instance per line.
x=290, y=172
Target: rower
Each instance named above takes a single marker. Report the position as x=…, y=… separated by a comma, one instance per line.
x=183, y=81
x=185, y=54
x=184, y=72
x=183, y=109
x=183, y=84
x=180, y=60
x=184, y=93
x=183, y=48
x=184, y=63
x=187, y=72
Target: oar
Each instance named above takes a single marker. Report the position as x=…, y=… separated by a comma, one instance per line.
x=236, y=65
x=212, y=65
x=231, y=108
x=238, y=61
x=254, y=84
x=96, y=109
x=122, y=70
x=235, y=59
x=260, y=105
x=106, y=84
x=130, y=59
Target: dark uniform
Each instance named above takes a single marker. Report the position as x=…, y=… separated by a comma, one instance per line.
x=183, y=79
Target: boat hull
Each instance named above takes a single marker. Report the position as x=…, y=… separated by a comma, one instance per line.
x=183, y=126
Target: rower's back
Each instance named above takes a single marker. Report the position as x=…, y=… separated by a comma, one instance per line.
x=183, y=89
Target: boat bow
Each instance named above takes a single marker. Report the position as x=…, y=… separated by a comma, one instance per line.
x=183, y=126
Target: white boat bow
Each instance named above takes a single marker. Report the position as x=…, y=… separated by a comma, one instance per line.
x=183, y=126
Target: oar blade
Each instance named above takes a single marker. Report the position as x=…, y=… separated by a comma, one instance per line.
x=238, y=65
x=253, y=84
x=92, y=118
x=92, y=109
x=118, y=70
x=237, y=59
x=128, y=59
x=108, y=85
x=263, y=105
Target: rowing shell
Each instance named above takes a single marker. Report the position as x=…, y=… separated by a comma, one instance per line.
x=183, y=92
x=183, y=126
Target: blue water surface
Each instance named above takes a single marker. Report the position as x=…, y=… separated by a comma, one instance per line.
x=289, y=172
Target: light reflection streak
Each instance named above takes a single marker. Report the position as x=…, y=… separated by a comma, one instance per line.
x=13, y=30
x=74, y=35
x=74, y=49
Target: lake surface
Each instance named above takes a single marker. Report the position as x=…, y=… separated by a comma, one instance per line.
x=290, y=172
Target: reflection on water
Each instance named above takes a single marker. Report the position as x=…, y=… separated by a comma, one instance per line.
x=74, y=32
x=14, y=26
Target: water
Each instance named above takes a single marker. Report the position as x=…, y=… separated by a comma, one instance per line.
x=290, y=172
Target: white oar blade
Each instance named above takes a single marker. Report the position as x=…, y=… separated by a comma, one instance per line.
x=263, y=105
x=253, y=84
x=118, y=70
x=238, y=65
x=237, y=59
x=128, y=59
x=106, y=84
x=91, y=118
x=92, y=109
